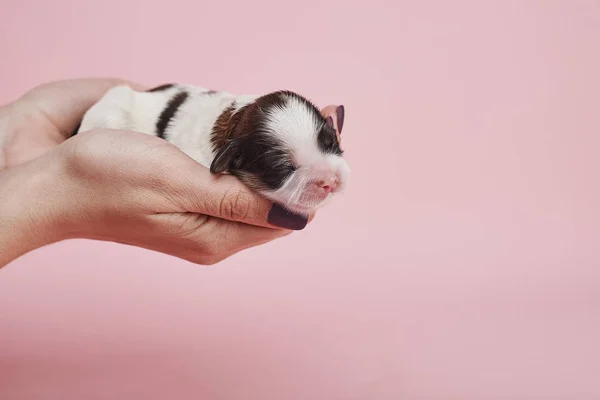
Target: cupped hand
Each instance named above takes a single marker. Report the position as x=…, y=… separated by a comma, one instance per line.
x=121, y=186
x=45, y=116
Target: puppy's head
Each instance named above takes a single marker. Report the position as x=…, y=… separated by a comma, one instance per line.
x=284, y=147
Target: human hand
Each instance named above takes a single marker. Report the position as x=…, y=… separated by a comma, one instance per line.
x=45, y=116
x=119, y=186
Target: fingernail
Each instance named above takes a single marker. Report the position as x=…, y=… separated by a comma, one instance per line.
x=285, y=219
x=340, y=117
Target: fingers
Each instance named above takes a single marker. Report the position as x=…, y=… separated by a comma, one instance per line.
x=228, y=238
x=65, y=102
x=225, y=197
x=206, y=240
x=195, y=189
x=180, y=183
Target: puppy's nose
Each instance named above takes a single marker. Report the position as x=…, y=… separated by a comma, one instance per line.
x=329, y=184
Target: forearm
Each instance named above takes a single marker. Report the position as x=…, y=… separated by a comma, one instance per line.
x=16, y=236
x=26, y=221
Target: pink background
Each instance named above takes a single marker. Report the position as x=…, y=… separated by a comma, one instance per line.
x=463, y=262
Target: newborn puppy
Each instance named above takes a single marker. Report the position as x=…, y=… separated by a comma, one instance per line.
x=280, y=145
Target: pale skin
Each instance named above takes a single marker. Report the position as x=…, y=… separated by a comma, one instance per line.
x=117, y=186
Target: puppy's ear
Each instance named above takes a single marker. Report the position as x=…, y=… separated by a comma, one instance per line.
x=225, y=158
x=335, y=117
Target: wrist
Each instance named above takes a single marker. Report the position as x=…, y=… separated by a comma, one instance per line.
x=29, y=210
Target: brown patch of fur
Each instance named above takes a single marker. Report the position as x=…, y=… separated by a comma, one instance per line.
x=226, y=126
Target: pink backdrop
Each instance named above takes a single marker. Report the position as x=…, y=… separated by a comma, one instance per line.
x=463, y=262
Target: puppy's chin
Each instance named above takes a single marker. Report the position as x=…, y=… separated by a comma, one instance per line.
x=297, y=207
x=299, y=201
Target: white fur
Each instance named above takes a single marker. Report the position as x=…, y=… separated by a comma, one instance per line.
x=123, y=108
x=190, y=130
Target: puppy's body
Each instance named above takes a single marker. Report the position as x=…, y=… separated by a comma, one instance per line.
x=184, y=115
x=278, y=144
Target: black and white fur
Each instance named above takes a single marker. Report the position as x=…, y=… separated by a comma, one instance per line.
x=278, y=144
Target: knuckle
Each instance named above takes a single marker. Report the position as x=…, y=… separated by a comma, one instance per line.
x=210, y=261
x=236, y=205
x=82, y=153
x=88, y=157
x=219, y=245
x=78, y=154
x=211, y=256
x=211, y=252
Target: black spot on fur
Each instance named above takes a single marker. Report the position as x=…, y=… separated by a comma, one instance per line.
x=161, y=88
x=246, y=149
x=262, y=157
x=169, y=112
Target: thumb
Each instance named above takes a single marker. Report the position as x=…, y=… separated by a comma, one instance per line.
x=225, y=197
x=65, y=102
